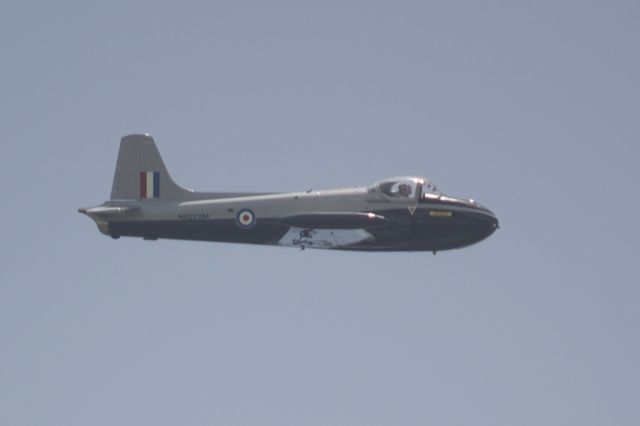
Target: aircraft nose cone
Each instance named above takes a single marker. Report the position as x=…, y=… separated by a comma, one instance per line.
x=486, y=222
x=495, y=223
x=493, y=219
x=476, y=221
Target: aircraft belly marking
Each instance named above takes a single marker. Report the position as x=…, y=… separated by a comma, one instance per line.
x=323, y=238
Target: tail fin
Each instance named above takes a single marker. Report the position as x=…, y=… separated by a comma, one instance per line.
x=141, y=173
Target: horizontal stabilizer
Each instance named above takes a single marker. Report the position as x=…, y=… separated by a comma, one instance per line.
x=106, y=210
x=331, y=220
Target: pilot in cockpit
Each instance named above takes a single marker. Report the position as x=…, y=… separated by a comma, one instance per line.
x=404, y=190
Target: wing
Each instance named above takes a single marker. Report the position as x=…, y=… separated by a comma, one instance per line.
x=333, y=220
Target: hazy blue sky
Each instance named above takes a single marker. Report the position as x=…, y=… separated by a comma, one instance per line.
x=532, y=108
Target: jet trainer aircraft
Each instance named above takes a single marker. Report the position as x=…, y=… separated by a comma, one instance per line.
x=396, y=214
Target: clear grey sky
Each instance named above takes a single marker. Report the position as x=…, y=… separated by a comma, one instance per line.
x=532, y=108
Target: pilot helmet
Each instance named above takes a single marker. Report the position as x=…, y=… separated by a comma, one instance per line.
x=404, y=189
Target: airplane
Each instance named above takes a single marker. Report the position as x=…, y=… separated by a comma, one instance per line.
x=395, y=214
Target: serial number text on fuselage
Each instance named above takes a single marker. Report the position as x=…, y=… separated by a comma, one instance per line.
x=193, y=216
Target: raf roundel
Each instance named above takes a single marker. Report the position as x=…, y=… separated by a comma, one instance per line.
x=245, y=219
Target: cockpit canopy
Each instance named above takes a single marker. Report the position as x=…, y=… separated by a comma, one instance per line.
x=406, y=187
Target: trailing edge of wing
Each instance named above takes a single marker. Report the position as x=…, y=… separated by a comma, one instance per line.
x=331, y=220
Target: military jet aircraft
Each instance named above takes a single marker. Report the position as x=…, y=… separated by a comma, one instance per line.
x=396, y=214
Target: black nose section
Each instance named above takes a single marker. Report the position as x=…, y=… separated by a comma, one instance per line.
x=486, y=222
x=481, y=222
x=493, y=219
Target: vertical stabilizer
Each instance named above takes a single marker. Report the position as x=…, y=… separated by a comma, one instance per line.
x=141, y=174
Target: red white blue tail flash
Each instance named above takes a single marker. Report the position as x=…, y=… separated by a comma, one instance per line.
x=149, y=184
